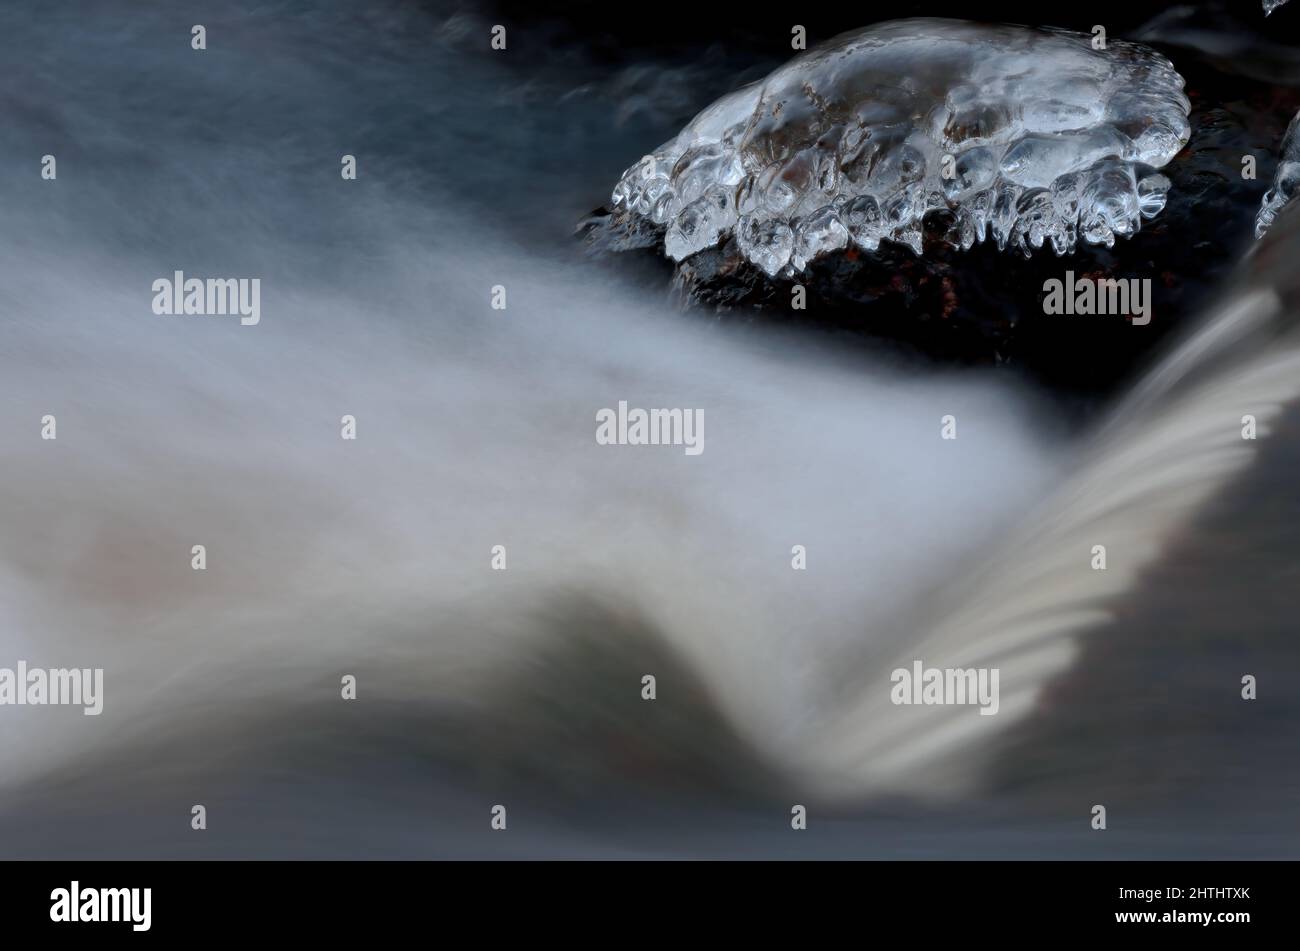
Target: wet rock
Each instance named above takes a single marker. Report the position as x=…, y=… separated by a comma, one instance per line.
x=982, y=306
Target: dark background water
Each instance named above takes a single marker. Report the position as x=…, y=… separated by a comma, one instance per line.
x=473, y=162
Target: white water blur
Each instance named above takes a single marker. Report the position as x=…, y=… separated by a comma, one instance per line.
x=476, y=427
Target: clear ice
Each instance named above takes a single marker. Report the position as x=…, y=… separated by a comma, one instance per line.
x=1286, y=183
x=1025, y=135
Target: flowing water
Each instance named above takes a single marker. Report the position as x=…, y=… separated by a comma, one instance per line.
x=475, y=428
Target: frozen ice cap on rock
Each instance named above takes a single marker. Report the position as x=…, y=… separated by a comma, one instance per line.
x=1026, y=135
x=1286, y=182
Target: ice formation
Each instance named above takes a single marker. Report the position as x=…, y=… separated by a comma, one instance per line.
x=1025, y=135
x=1286, y=183
x=1271, y=5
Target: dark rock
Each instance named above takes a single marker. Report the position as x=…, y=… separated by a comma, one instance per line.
x=984, y=306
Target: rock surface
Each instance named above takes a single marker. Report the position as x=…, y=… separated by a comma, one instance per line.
x=983, y=306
